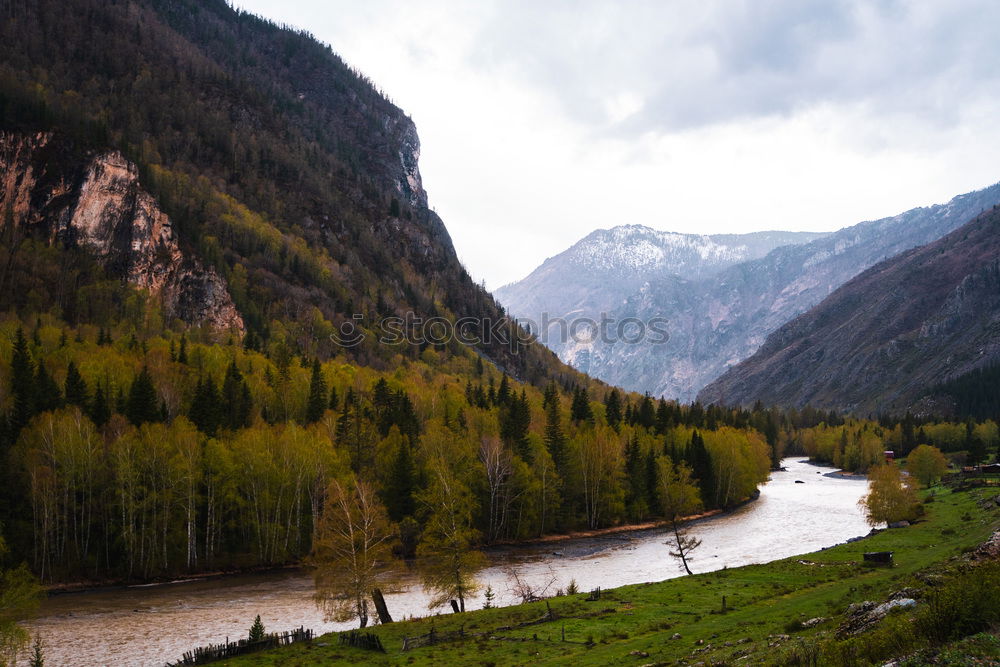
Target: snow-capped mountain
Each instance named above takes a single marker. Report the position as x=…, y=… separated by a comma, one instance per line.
x=719, y=296
x=598, y=273
x=630, y=249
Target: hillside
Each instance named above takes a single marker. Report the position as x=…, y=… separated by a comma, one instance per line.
x=717, y=318
x=883, y=339
x=287, y=183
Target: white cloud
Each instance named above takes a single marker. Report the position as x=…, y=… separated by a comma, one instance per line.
x=542, y=121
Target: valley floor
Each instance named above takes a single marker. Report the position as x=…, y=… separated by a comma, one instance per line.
x=753, y=614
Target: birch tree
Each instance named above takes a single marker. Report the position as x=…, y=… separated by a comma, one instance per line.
x=352, y=550
x=448, y=561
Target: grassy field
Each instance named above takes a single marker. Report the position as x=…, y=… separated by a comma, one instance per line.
x=683, y=620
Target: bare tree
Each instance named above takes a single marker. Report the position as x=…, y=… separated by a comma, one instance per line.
x=679, y=498
x=524, y=589
x=352, y=551
x=496, y=460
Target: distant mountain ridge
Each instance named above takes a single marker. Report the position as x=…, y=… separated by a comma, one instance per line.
x=718, y=315
x=879, y=342
x=600, y=271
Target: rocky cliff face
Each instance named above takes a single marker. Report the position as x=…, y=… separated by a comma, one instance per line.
x=883, y=339
x=96, y=202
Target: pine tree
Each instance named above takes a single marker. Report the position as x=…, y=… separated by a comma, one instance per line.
x=700, y=462
x=550, y=395
x=555, y=441
x=235, y=400
x=652, y=492
x=635, y=497
x=401, y=485
x=580, y=408
x=503, y=393
x=257, y=630
x=76, y=387
x=206, y=412
x=142, y=404
x=47, y=394
x=515, y=421
x=100, y=408
x=664, y=420
x=613, y=409
x=646, y=414
x=334, y=399
x=22, y=385
x=488, y=596
x=182, y=353
x=317, y=402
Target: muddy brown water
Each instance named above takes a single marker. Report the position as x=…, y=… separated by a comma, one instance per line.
x=151, y=625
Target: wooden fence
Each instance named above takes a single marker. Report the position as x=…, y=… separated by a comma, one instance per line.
x=213, y=652
x=365, y=640
x=432, y=637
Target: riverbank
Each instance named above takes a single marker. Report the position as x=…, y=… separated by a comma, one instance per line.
x=624, y=528
x=89, y=586
x=757, y=614
x=93, y=586
x=836, y=474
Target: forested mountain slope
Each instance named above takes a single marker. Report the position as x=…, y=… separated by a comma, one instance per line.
x=278, y=168
x=882, y=340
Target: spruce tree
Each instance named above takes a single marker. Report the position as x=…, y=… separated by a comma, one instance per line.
x=646, y=414
x=555, y=441
x=205, y=412
x=580, y=408
x=182, y=353
x=515, y=421
x=142, y=404
x=257, y=630
x=47, y=394
x=503, y=393
x=76, y=387
x=664, y=420
x=22, y=374
x=551, y=395
x=635, y=479
x=100, y=407
x=317, y=402
x=613, y=409
x=235, y=400
x=401, y=484
x=700, y=462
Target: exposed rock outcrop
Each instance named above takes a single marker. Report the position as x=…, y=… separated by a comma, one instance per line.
x=96, y=202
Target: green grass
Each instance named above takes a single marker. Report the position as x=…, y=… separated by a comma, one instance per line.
x=634, y=624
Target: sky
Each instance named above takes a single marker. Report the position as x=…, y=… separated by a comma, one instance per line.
x=541, y=121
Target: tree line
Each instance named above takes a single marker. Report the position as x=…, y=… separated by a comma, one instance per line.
x=137, y=457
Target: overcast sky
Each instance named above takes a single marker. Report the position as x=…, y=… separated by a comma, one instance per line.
x=542, y=121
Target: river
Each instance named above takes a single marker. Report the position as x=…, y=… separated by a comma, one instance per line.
x=149, y=625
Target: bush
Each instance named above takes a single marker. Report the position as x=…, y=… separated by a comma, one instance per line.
x=963, y=606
